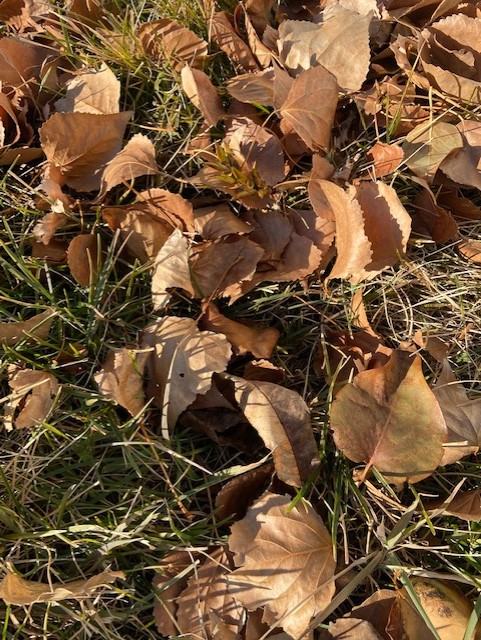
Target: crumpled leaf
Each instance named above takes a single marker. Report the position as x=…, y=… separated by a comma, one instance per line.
x=33, y=393
x=38, y=327
x=462, y=415
x=171, y=270
x=83, y=259
x=285, y=559
x=136, y=159
x=167, y=40
x=310, y=107
x=45, y=230
x=182, y=363
x=16, y=590
x=236, y=495
x=399, y=426
x=244, y=338
x=92, y=92
x=121, y=378
x=427, y=146
x=281, y=418
x=218, y=221
x=202, y=93
x=341, y=35
x=81, y=144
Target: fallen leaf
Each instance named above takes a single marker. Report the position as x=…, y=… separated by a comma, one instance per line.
x=259, y=12
x=470, y=249
x=202, y=93
x=465, y=505
x=427, y=146
x=121, y=378
x=55, y=252
x=45, y=230
x=459, y=206
x=432, y=220
x=182, y=363
x=286, y=562
x=386, y=158
x=225, y=37
x=377, y=609
x=218, y=221
x=255, y=339
x=83, y=259
x=236, y=495
x=207, y=593
x=281, y=418
x=92, y=92
x=265, y=371
x=463, y=165
x=462, y=416
x=136, y=159
x=350, y=629
x=32, y=394
x=399, y=427
x=34, y=329
x=253, y=87
x=15, y=590
x=310, y=107
x=342, y=34
x=170, y=585
x=81, y=144
x=171, y=270
x=22, y=62
x=167, y=40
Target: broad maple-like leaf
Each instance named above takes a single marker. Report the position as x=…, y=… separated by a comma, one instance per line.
x=310, y=107
x=427, y=146
x=37, y=327
x=286, y=562
x=462, y=415
x=182, y=363
x=167, y=40
x=202, y=93
x=389, y=418
x=120, y=378
x=92, y=92
x=81, y=144
x=82, y=259
x=36, y=390
x=281, y=418
x=18, y=591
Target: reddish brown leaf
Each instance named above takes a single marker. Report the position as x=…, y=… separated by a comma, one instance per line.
x=83, y=259
x=386, y=158
x=465, y=505
x=236, y=495
x=463, y=165
x=167, y=40
x=432, y=220
x=202, y=93
x=225, y=37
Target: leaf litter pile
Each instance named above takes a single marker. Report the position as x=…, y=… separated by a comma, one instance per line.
x=239, y=322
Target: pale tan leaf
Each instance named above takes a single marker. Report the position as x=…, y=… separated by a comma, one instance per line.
x=471, y=249
x=286, y=562
x=342, y=35
x=386, y=158
x=218, y=221
x=81, y=144
x=310, y=107
x=38, y=327
x=255, y=339
x=281, y=418
x=136, y=159
x=171, y=270
x=202, y=93
x=399, y=426
x=167, y=40
x=253, y=87
x=226, y=38
x=83, y=259
x=462, y=415
x=350, y=629
x=170, y=585
x=121, y=378
x=18, y=591
x=92, y=92
x=463, y=166
x=426, y=147
x=33, y=393
x=182, y=364
x=207, y=593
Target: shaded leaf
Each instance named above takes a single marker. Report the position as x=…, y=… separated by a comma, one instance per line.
x=465, y=505
x=120, y=378
x=82, y=259
x=285, y=559
x=350, y=629
x=170, y=585
x=38, y=327
x=253, y=87
x=92, y=92
x=399, y=427
x=218, y=221
x=202, y=93
x=226, y=38
x=432, y=220
x=167, y=40
x=171, y=270
x=427, y=146
x=236, y=495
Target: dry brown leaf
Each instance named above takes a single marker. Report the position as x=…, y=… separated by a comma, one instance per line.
x=427, y=146
x=22, y=63
x=377, y=610
x=281, y=418
x=45, y=230
x=226, y=38
x=462, y=416
x=23, y=14
x=55, y=252
x=350, y=629
x=167, y=40
x=265, y=371
x=218, y=221
x=342, y=35
x=33, y=393
x=465, y=505
x=18, y=591
x=236, y=495
x=386, y=158
x=92, y=92
x=81, y=144
x=121, y=378
x=207, y=595
x=471, y=249
x=83, y=259
x=170, y=586
x=259, y=12
x=285, y=558
x=171, y=270
x=310, y=107
x=399, y=425
x=255, y=339
x=459, y=206
x=463, y=166
x=372, y=230
x=202, y=93
x=38, y=327
x=432, y=220
x=182, y=362
x=136, y=159
x=253, y=87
